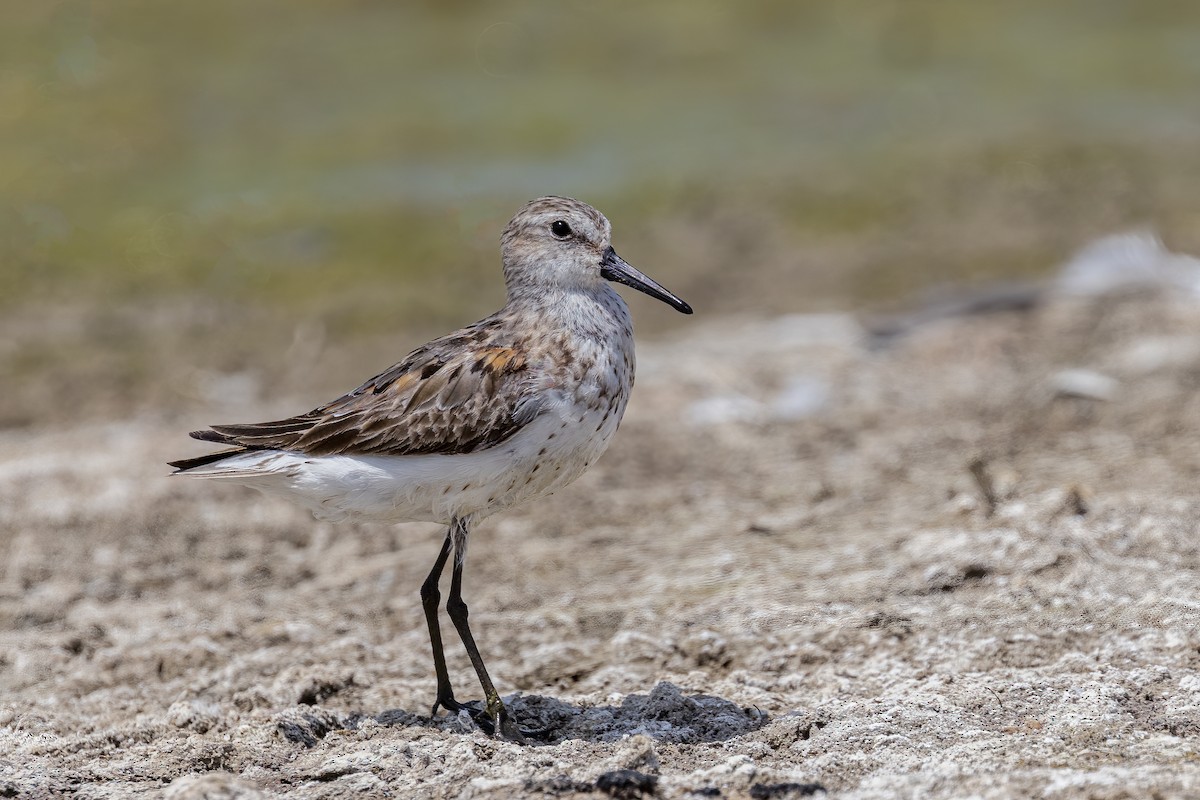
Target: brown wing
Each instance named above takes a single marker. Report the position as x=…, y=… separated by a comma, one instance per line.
x=457, y=394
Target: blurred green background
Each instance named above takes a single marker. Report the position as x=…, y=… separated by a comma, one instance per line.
x=307, y=189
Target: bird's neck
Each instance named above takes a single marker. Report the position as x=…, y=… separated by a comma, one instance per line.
x=599, y=312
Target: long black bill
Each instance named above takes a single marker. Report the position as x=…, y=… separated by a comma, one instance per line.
x=614, y=268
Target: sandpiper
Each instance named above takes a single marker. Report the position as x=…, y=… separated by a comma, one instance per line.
x=505, y=410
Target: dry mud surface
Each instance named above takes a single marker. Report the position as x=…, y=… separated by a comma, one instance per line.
x=813, y=563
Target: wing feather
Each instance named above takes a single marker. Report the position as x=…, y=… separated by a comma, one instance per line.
x=462, y=393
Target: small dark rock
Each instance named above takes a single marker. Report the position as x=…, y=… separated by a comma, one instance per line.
x=397, y=717
x=308, y=727
x=769, y=791
x=558, y=785
x=625, y=784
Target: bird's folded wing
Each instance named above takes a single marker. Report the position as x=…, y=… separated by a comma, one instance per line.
x=443, y=398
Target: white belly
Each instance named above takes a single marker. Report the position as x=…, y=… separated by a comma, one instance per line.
x=548, y=453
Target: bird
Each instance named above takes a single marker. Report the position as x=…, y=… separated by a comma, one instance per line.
x=503, y=411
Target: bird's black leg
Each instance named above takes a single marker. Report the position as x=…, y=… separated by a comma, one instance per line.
x=494, y=709
x=430, y=599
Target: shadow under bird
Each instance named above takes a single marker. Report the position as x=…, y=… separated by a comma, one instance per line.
x=500, y=412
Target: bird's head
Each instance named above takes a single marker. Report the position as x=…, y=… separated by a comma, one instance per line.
x=558, y=243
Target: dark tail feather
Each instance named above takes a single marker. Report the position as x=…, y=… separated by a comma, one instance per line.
x=212, y=436
x=201, y=461
x=266, y=429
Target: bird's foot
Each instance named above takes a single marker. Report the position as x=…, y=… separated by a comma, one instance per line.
x=493, y=719
x=446, y=700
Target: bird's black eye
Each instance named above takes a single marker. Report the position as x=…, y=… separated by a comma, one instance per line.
x=560, y=229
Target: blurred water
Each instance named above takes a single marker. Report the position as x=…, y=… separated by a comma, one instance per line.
x=880, y=132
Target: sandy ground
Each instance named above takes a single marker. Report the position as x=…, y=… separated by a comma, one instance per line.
x=938, y=565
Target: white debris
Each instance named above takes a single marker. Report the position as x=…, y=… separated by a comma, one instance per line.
x=1126, y=261
x=1084, y=383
